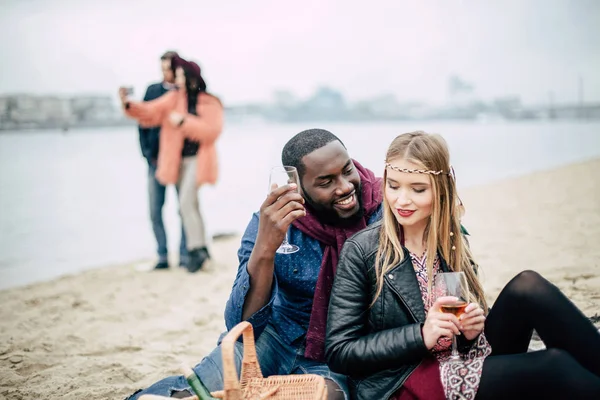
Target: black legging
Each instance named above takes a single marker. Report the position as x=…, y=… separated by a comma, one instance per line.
x=569, y=368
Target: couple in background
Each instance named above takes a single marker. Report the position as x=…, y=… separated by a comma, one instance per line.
x=179, y=125
x=357, y=308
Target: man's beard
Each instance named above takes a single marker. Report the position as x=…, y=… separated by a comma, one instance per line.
x=328, y=216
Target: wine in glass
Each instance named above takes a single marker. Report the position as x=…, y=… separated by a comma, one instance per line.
x=281, y=176
x=452, y=284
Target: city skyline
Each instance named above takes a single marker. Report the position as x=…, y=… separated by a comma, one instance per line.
x=249, y=51
x=325, y=104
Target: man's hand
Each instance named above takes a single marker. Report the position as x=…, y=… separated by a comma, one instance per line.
x=175, y=118
x=438, y=324
x=281, y=207
x=472, y=321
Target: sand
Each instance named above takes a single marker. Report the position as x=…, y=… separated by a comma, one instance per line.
x=104, y=333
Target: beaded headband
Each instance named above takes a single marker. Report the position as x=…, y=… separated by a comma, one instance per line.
x=420, y=171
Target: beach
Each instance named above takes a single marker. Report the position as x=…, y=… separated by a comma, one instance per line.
x=103, y=333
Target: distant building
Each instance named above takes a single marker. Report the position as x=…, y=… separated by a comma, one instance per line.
x=509, y=107
x=92, y=109
x=285, y=99
x=24, y=110
x=56, y=111
x=381, y=107
x=34, y=111
x=326, y=98
x=29, y=111
x=3, y=110
x=325, y=104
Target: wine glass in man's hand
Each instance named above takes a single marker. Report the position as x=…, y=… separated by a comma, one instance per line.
x=281, y=176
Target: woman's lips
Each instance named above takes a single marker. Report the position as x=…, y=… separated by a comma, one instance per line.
x=405, y=213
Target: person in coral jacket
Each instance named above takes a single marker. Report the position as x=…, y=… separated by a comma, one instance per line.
x=149, y=138
x=191, y=121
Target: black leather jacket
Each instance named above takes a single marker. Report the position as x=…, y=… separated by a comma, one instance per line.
x=378, y=347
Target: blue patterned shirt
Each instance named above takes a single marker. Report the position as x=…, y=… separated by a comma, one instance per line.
x=290, y=305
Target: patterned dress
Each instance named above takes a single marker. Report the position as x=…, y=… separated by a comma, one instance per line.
x=460, y=380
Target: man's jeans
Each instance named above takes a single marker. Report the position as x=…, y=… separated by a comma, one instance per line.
x=274, y=356
x=156, y=197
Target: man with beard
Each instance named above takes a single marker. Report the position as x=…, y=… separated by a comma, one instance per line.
x=149, y=140
x=285, y=296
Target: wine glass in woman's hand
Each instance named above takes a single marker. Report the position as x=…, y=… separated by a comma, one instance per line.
x=452, y=284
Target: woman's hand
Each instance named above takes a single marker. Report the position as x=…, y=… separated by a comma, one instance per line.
x=175, y=118
x=123, y=95
x=439, y=324
x=472, y=321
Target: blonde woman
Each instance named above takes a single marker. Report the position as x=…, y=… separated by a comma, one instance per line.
x=387, y=332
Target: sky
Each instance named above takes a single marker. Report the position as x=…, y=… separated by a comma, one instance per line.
x=248, y=49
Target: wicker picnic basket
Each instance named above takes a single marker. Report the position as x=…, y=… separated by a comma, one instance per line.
x=252, y=385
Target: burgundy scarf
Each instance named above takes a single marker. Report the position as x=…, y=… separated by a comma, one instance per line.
x=333, y=239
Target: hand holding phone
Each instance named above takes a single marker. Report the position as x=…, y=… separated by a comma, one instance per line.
x=124, y=92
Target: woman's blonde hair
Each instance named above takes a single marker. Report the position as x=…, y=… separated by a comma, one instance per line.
x=443, y=232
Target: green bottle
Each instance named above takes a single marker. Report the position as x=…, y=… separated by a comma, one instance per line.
x=197, y=386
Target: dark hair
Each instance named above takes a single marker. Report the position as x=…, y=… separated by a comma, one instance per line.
x=176, y=62
x=169, y=55
x=305, y=143
x=194, y=84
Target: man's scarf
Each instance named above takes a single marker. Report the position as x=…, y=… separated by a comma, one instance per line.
x=333, y=238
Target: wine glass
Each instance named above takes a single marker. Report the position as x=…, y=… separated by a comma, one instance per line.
x=281, y=176
x=452, y=284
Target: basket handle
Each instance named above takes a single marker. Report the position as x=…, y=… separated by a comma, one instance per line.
x=250, y=365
